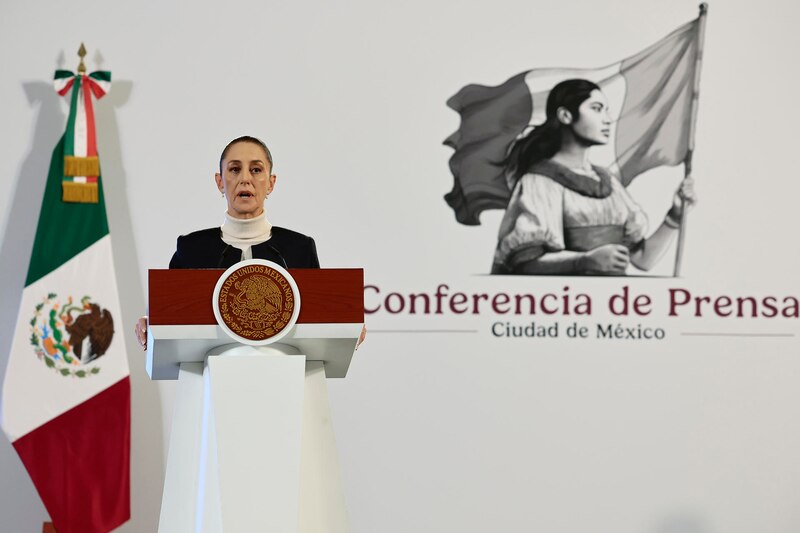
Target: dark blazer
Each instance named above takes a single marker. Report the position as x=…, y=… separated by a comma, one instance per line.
x=205, y=249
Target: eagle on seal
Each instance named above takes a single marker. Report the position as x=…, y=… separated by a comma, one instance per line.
x=259, y=293
x=97, y=325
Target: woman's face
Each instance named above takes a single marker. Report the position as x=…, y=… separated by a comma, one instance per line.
x=246, y=180
x=594, y=123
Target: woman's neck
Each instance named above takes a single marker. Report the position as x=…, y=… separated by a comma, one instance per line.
x=240, y=229
x=573, y=154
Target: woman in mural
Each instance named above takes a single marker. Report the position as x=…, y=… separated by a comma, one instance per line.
x=567, y=216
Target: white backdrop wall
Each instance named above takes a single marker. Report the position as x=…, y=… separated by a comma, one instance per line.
x=457, y=431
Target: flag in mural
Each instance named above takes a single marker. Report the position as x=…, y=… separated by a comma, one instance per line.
x=650, y=97
x=66, y=394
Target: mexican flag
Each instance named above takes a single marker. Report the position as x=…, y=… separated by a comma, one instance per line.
x=66, y=394
x=650, y=97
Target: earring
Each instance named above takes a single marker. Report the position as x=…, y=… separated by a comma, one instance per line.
x=223, y=194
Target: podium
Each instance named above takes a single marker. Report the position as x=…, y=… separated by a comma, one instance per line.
x=252, y=447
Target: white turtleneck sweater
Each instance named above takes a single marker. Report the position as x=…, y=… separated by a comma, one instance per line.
x=246, y=233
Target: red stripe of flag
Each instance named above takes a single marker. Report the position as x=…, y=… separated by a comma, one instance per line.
x=80, y=462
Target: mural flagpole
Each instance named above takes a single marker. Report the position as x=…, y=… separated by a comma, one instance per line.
x=687, y=162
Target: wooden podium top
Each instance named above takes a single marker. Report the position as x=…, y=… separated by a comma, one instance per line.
x=182, y=327
x=327, y=296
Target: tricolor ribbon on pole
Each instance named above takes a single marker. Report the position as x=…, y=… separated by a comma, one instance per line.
x=81, y=164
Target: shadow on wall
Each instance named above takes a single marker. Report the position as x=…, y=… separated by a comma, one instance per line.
x=20, y=507
x=682, y=523
x=147, y=439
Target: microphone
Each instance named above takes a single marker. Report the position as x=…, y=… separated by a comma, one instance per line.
x=278, y=254
x=222, y=257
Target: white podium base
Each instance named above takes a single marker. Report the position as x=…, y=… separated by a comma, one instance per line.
x=252, y=447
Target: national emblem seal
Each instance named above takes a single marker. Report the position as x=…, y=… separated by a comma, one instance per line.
x=69, y=336
x=256, y=302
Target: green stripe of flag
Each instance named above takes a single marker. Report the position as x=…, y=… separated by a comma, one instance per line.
x=65, y=229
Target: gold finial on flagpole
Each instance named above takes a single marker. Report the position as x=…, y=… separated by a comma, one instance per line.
x=82, y=54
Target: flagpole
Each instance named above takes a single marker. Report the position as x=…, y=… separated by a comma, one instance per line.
x=687, y=162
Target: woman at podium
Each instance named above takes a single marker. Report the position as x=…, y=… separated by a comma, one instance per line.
x=245, y=180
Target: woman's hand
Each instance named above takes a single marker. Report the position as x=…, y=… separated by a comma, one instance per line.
x=362, y=336
x=606, y=259
x=684, y=198
x=140, y=330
